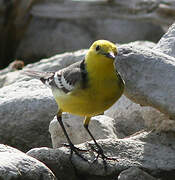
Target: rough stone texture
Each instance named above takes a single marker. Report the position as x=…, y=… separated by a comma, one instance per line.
x=51, y=36
x=128, y=117
x=101, y=127
x=134, y=173
x=155, y=11
x=26, y=108
x=15, y=165
x=149, y=77
x=152, y=71
x=151, y=151
x=131, y=118
x=35, y=29
x=167, y=42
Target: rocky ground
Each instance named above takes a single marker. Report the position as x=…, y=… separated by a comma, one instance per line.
x=34, y=29
x=138, y=130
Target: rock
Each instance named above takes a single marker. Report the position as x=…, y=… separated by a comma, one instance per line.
x=128, y=117
x=51, y=37
x=15, y=165
x=101, y=127
x=51, y=32
x=152, y=83
x=146, y=44
x=149, y=77
x=26, y=108
x=9, y=78
x=167, y=42
x=151, y=151
x=131, y=117
x=134, y=173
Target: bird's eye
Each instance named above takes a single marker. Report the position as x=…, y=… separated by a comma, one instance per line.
x=97, y=48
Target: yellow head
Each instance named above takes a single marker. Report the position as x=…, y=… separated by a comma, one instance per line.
x=101, y=53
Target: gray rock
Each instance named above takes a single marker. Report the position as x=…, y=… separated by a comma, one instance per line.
x=26, y=108
x=131, y=117
x=149, y=77
x=167, y=42
x=151, y=151
x=128, y=117
x=101, y=127
x=51, y=36
x=15, y=165
x=134, y=173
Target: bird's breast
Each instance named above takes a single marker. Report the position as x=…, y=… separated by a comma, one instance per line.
x=97, y=97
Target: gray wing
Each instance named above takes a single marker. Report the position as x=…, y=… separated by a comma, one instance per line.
x=69, y=78
x=66, y=79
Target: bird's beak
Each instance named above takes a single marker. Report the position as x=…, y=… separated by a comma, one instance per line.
x=110, y=55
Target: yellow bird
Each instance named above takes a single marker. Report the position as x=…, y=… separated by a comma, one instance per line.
x=86, y=88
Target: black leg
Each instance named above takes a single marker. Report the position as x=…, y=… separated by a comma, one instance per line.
x=99, y=150
x=71, y=145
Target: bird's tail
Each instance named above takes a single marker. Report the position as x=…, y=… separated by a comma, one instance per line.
x=43, y=76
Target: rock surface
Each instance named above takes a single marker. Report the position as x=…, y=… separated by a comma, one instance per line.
x=131, y=117
x=15, y=165
x=149, y=77
x=167, y=42
x=151, y=151
x=134, y=173
x=26, y=108
x=35, y=29
x=51, y=35
x=101, y=127
x=152, y=72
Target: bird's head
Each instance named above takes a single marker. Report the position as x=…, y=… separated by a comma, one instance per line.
x=102, y=50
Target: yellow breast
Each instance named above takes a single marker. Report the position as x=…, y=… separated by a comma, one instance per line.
x=95, y=99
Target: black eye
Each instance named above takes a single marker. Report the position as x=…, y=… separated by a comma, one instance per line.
x=97, y=47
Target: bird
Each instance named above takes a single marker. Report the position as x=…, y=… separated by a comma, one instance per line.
x=86, y=88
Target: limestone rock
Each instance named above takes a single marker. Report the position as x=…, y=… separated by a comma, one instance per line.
x=15, y=165
x=149, y=77
x=131, y=117
x=134, y=174
x=167, y=42
x=151, y=151
x=51, y=36
x=128, y=116
x=26, y=108
x=101, y=127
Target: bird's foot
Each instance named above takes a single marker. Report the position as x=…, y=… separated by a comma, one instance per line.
x=101, y=154
x=76, y=150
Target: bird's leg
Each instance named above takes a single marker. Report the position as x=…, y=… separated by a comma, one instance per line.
x=99, y=150
x=71, y=145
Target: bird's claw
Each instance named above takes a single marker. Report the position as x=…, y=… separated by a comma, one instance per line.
x=100, y=152
x=76, y=150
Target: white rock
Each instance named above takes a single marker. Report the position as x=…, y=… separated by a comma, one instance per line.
x=102, y=127
x=134, y=173
x=26, y=108
x=17, y=165
x=151, y=151
x=131, y=118
x=167, y=42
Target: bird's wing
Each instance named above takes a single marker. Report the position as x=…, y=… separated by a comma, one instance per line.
x=66, y=79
